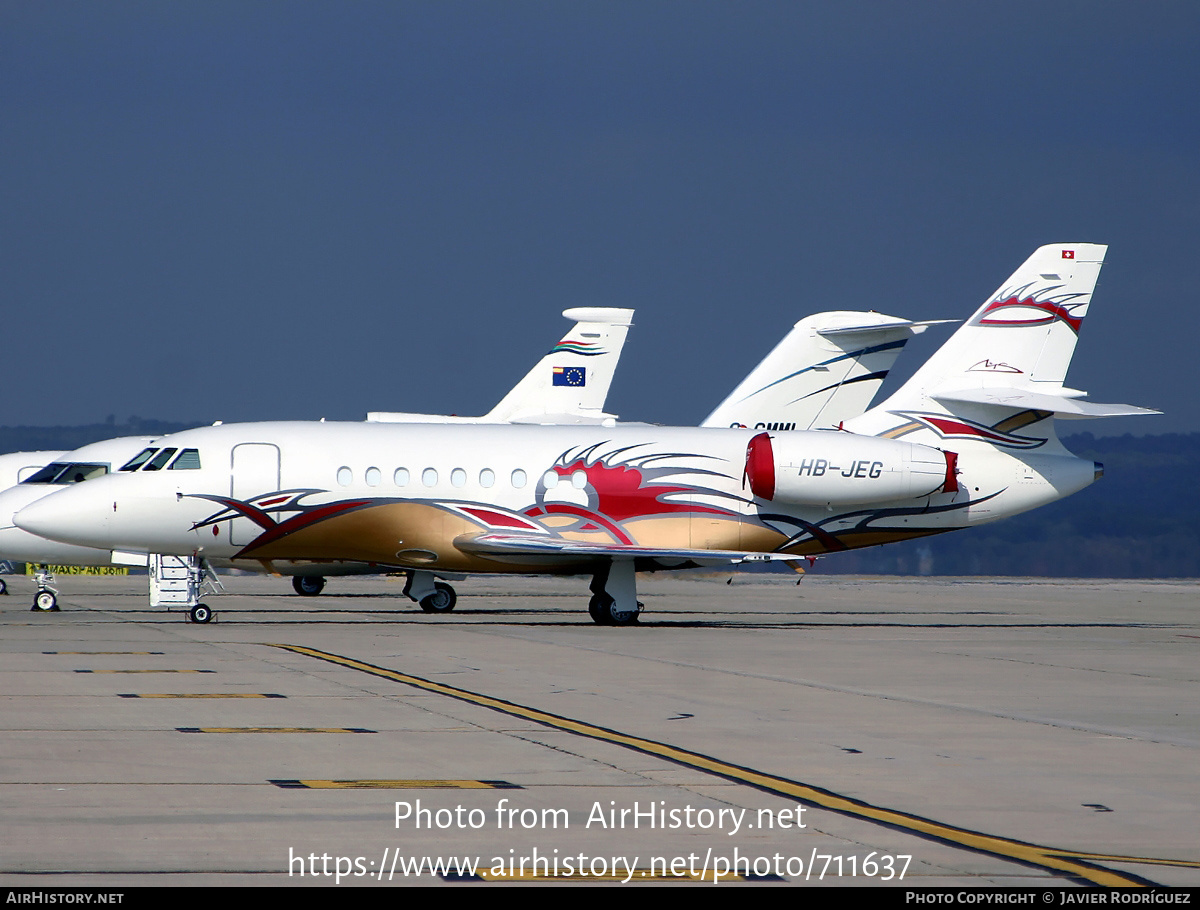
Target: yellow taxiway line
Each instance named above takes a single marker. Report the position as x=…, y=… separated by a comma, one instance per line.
x=1080, y=866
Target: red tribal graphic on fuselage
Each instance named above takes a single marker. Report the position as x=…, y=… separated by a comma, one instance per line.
x=596, y=493
x=946, y=426
x=602, y=492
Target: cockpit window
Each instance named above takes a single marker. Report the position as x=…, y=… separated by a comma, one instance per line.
x=160, y=460
x=81, y=471
x=188, y=460
x=138, y=460
x=46, y=474
x=62, y=473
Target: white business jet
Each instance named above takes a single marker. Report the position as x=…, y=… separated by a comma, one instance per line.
x=62, y=469
x=828, y=366
x=970, y=438
x=591, y=350
x=14, y=468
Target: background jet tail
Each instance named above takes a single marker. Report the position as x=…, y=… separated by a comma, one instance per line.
x=570, y=384
x=824, y=371
x=1003, y=370
x=567, y=386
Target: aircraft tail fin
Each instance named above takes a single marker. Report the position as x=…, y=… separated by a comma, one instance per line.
x=567, y=386
x=570, y=383
x=1003, y=370
x=824, y=371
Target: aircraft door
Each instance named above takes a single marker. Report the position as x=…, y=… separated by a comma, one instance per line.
x=255, y=472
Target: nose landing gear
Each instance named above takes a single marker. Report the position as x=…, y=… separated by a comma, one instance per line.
x=46, y=598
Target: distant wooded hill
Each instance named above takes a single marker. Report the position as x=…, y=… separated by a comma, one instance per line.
x=1138, y=521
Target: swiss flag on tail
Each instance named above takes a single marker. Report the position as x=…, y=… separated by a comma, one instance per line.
x=1068, y=254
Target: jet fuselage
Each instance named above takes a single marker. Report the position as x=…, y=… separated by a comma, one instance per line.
x=499, y=498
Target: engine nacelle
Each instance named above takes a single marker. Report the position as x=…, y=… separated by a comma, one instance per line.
x=842, y=469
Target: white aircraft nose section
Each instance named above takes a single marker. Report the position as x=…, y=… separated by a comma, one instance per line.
x=71, y=516
x=14, y=499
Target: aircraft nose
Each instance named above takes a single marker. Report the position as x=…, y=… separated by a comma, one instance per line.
x=67, y=515
x=15, y=499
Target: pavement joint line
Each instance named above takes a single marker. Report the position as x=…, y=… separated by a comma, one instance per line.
x=290, y=784
x=274, y=730
x=166, y=670
x=199, y=695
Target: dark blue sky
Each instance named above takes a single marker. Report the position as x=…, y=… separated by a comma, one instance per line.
x=256, y=210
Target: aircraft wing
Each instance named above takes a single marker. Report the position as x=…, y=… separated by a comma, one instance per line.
x=555, y=548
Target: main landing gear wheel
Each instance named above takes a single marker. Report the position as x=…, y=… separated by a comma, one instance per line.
x=201, y=613
x=598, y=609
x=308, y=585
x=602, y=609
x=440, y=601
x=3, y=586
x=45, y=602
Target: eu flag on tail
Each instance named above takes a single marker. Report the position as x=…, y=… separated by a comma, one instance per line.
x=571, y=376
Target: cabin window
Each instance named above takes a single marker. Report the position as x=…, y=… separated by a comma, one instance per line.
x=579, y=479
x=550, y=480
x=458, y=477
x=487, y=477
x=345, y=476
x=518, y=478
x=372, y=477
x=159, y=460
x=429, y=477
x=400, y=478
x=188, y=460
x=139, y=459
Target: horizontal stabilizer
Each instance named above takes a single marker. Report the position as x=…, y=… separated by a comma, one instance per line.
x=916, y=328
x=1061, y=405
x=404, y=417
x=600, y=315
x=595, y=419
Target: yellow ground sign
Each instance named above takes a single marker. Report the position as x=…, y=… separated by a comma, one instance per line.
x=31, y=568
